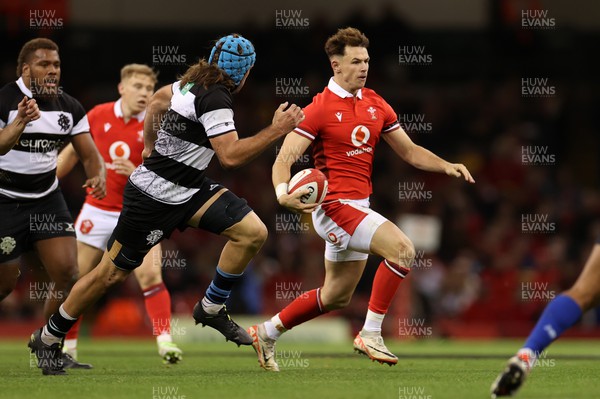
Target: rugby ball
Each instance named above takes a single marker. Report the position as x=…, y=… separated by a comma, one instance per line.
x=312, y=179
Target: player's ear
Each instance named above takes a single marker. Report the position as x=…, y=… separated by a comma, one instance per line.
x=25, y=71
x=335, y=64
x=121, y=88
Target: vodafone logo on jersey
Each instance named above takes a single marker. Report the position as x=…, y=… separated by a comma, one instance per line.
x=360, y=136
x=119, y=150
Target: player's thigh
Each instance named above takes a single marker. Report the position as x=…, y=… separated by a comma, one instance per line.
x=142, y=224
x=88, y=257
x=9, y=274
x=586, y=290
x=150, y=271
x=223, y=212
x=59, y=257
x=392, y=244
x=93, y=227
x=341, y=279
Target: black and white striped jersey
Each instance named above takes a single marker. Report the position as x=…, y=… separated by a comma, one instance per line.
x=174, y=171
x=28, y=170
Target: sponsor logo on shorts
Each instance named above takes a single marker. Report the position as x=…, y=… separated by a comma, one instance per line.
x=86, y=226
x=332, y=238
x=154, y=236
x=7, y=245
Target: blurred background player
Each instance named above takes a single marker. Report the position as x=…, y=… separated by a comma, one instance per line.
x=344, y=123
x=558, y=316
x=32, y=208
x=170, y=190
x=117, y=128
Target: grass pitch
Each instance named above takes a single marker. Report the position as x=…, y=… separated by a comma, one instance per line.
x=427, y=369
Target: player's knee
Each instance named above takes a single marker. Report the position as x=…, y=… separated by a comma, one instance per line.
x=110, y=275
x=406, y=252
x=6, y=287
x=336, y=301
x=148, y=279
x=8, y=282
x=586, y=296
x=255, y=234
x=67, y=277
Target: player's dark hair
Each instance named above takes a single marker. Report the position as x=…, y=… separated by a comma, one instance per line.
x=31, y=47
x=206, y=74
x=336, y=44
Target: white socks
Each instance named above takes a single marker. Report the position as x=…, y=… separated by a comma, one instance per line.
x=48, y=338
x=373, y=322
x=209, y=307
x=164, y=337
x=70, y=347
x=528, y=355
x=274, y=327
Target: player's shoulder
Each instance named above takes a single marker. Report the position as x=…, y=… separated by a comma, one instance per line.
x=371, y=95
x=322, y=100
x=213, y=97
x=10, y=96
x=219, y=91
x=104, y=110
x=104, y=107
x=10, y=89
x=70, y=102
x=375, y=99
x=324, y=96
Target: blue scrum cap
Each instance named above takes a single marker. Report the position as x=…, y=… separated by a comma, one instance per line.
x=235, y=56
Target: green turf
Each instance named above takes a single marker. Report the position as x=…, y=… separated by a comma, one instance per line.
x=427, y=369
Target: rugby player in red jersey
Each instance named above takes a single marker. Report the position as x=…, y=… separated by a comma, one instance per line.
x=344, y=123
x=118, y=131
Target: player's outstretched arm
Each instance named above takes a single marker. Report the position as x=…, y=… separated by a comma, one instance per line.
x=92, y=163
x=293, y=147
x=234, y=152
x=155, y=111
x=27, y=111
x=422, y=158
x=67, y=159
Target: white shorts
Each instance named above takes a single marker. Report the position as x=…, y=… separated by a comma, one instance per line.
x=94, y=226
x=347, y=226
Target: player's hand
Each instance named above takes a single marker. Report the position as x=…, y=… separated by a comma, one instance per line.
x=28, y=110
x=96, y=187
x=123, y=166
x=458, y=170
x=285, y=120
x=292, y=202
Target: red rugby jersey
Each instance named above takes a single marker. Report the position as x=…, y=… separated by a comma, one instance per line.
x=344, y=130
x=115, y=139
